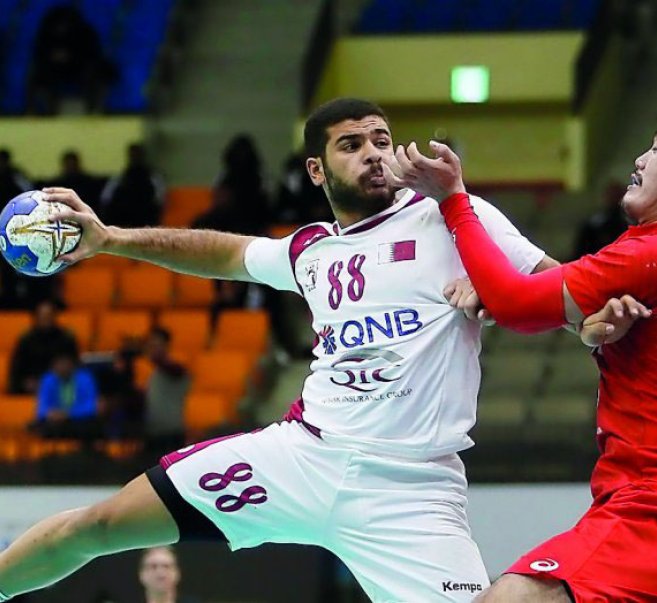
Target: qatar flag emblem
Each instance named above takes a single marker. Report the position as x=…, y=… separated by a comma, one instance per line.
x=401, y=251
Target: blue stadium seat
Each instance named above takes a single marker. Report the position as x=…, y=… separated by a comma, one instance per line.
x=103, y=17
x=8, y=10
x=143, y=28
x=536, y=15
x=487, y=15
x=384, y=16
x=131, y=32
x=584, y=13
x=433, y=16
x=18, y=56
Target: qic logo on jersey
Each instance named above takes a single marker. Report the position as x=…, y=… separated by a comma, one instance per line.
x=366, y=370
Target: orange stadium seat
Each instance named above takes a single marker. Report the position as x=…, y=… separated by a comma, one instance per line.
x=80, y=323
x=204, y=412
x=221, y=372
x=143, y=369
x=89, y=287
x=115, y=263
x=193, y=291
x=242, y=330
x=145, y=286
x=16, y=412
x=5, y=363
x=115, y=326
x=184, y=203
x=279, y=231
x=190, y=329
x=12, y=326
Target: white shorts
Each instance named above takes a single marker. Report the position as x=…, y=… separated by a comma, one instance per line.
x=400, y=526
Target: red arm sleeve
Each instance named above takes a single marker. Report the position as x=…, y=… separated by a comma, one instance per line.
x=628, y=266
x=525, y=303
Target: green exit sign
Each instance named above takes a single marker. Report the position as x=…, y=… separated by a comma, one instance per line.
x=470, y=84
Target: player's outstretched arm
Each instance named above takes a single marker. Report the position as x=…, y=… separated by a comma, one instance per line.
x=200, y=252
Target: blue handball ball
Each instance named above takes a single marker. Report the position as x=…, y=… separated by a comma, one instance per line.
x=29, y=241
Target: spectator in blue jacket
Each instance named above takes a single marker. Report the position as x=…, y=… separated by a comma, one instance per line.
x=67, y=401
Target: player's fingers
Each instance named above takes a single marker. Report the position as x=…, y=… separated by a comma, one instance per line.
x=634, y=307
x=69, y=215
x=393, y=165
x=392, y=178
x=72, y=257
x=443, y=151
x=471, y=305
x=403, y=160
x=485, y=317
x=597, y=333
x=616, y=307
x=448, y=291
x=416, y=158
x=65, y=196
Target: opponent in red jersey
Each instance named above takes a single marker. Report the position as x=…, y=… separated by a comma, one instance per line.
x=611, y=554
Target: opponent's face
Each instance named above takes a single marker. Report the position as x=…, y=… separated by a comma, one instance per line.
x=640, y=199
x=159, y=571
x=351, y=171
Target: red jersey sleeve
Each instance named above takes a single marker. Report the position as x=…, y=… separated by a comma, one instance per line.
x=627, y=266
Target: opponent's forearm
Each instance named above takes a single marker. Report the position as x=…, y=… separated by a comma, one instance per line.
x=525, y=303
x=205, y=253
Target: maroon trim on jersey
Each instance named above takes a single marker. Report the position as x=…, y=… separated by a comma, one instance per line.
x=382, y=218
x=302, y=240
x=295, y=415
x=180, y=455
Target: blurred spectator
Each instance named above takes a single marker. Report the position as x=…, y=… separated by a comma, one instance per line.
x=165, y=396
x=604, y=226
x=37, y=348
x=67, y=401
x=74, y=176
x=298, y=200
x=135, y=197
x=68, y=60
x=159, y=574
x=12, y=180
x=239, y=204
x=121, y=401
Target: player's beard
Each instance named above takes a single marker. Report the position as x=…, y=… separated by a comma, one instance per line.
x=354, y=198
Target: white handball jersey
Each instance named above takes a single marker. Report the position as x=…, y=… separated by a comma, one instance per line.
x=396, y=369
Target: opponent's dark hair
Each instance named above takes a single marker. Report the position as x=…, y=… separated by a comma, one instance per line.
x=315, y=133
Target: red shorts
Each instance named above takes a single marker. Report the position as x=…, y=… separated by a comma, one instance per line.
x=610, y=555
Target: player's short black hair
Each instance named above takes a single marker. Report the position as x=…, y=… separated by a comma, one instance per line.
x=315, y=133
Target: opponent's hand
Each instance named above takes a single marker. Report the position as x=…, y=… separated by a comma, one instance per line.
x=461, y=294
x=94, y=232
x=612, y=322
x=437, y=177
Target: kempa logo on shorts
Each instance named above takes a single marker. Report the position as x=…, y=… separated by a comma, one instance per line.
x=544, y=565
x=471, y=587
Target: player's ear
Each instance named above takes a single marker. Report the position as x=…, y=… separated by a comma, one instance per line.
x=316, y=170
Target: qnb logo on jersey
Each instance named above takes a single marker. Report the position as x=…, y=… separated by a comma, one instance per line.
x=544, y=565
x=390, y=325
x=362, y=371
x=471, y=587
